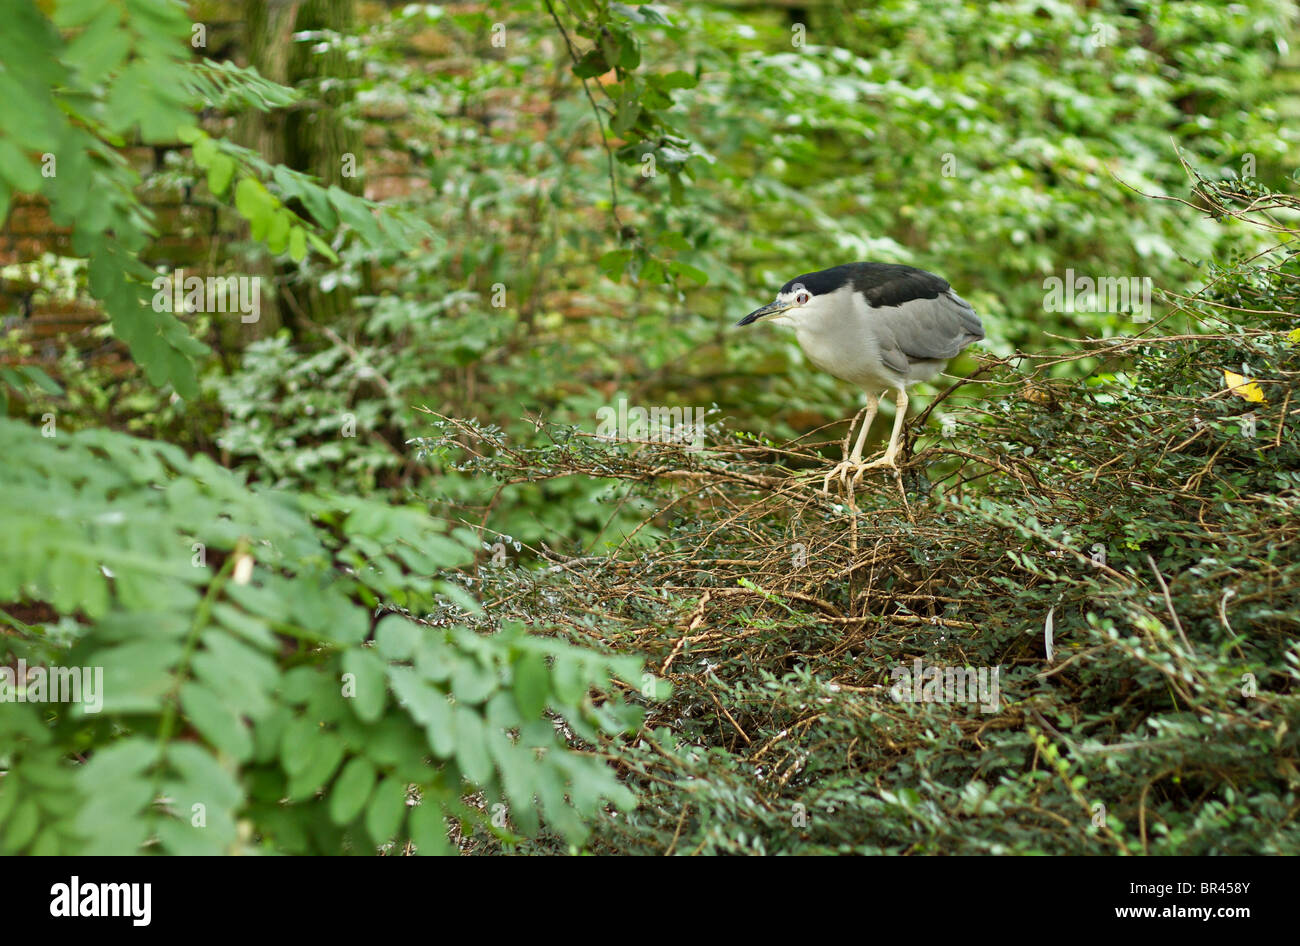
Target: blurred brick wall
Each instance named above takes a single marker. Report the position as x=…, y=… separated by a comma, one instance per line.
x=191, y=228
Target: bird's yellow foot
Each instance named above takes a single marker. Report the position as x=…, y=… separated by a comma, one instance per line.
x=888, y=460
x=840, y=470
x=849, y=472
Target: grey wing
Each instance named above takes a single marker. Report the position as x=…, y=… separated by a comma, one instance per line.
x=929, y=329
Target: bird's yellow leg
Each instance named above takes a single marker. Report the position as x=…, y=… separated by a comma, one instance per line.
x=895, y=439
x=853, y=460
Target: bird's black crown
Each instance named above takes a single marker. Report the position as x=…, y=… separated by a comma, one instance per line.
x=883, y=284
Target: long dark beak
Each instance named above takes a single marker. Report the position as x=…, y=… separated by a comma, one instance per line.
x=772, y=308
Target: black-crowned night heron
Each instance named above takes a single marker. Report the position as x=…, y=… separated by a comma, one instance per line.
x=880, y=326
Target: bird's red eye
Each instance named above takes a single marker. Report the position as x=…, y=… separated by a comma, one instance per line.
x=802, y=298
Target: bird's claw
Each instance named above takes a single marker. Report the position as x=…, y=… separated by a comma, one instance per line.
x=842, y=470
x=888, y=460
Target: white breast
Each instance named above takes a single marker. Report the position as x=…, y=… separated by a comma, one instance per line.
x=840, y=336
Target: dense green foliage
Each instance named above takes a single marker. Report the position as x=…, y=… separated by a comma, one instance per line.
x=316, y=604
x=231, y=626
x=1122, y=554
x=280, y=670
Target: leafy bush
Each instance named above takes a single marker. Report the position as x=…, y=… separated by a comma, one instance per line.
x=1120, y=552
x=297, y=659
x=264, y=669
x=250, y=698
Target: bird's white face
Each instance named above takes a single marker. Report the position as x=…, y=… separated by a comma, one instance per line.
x=789, y=307
x=802, y=309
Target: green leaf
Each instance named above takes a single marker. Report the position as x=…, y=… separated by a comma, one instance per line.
x=8, y=797
x=42, y=380
x=326, y=753
x=471, y=748
x=569, y=679
x=298, y=744
x=101, y=48
x=19, y=170
x=216, y=720
x=356, y=213
x=532, y=682
x=629, y=52
x=429, y=830
x=697, y=276
x=625, y=118
x=396, y=637
x=472, y=683
x=204, y=151
x=613, y=263
x=370, y=672
x=676, y=80
x=277, y=232
x=387, y=806
x=69, y=14
x=591, y=65
x=220, y=173
x=351, y=790
x=322, y=247
x=297, y=244
x=252, y=199
x=652, y=272
x=205, y=774
x=21, y=827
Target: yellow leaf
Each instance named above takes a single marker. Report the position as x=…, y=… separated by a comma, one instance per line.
x=1247, y=390
x=1293, y=336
